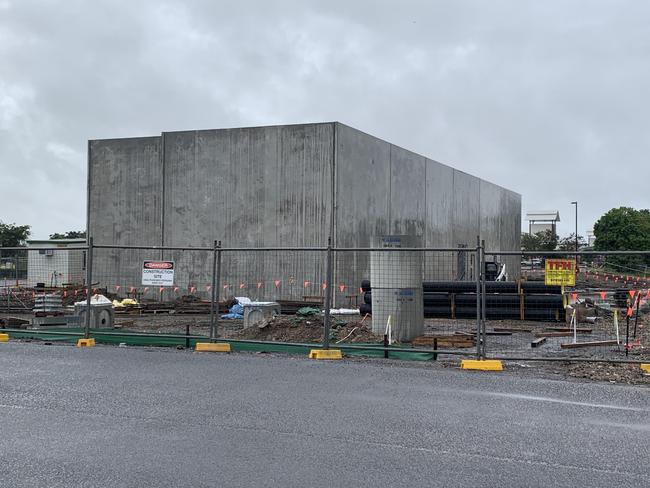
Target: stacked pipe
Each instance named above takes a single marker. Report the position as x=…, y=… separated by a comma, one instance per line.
x=504, y=300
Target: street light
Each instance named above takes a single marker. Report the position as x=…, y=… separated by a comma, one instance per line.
x=576, y=204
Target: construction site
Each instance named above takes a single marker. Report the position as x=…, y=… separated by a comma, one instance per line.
x=283, y=238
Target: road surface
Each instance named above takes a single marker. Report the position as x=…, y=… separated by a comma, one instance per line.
x=137, y=417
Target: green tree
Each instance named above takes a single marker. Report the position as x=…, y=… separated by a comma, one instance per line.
x=72, y=234
x=545, y=240
x=624, y=229
x=13, y=263
x=12, y=235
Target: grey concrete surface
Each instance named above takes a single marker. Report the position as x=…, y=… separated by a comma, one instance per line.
x=123, y=417
x=281, y=186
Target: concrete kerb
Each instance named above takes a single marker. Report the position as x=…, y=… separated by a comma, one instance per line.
x=212, y=347
x=482, y=364
x=328, y=354
x=4, y=337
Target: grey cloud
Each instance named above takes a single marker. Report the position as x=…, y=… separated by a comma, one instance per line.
x=546, y=98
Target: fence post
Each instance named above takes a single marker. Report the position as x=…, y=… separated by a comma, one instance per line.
x=328, y=295
x=89, y=285
x=216, y=285
x=483, y=306
x=478, y=297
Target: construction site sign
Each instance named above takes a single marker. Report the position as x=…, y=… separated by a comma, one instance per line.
x=158, y=273
x=560, y=272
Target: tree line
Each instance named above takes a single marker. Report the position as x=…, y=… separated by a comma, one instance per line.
x=12, y=235
x=620, y=229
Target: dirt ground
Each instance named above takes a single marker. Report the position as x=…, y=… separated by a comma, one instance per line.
x=309, y=329
x=516, y=344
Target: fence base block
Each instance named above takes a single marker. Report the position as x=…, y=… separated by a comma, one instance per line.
x=645, y=367
x=86, y=342
x=325, y=354
x=4, y=337
x=212, y=347
x=482, y=365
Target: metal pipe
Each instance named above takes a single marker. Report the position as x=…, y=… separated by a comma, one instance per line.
x=478, y=297
x=564, y=253
x=215, y=257
x=89, y=284
x=636, y=317
x=328, y=295
x=53, y=248
x=483, y=305
x=397, y=249
x=218, y=291
x=576, y=234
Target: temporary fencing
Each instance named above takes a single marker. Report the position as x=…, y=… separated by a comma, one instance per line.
x=596, y=314
x=382, y=300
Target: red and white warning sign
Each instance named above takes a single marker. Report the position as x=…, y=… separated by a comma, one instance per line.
x=158, y=273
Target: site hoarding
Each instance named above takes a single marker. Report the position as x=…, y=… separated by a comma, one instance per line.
x=560, y=272
x=158, y=273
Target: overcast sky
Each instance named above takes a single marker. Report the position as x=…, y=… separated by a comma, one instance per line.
x=547, y=98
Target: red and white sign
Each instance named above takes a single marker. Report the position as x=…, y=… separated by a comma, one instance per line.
x=158, y=273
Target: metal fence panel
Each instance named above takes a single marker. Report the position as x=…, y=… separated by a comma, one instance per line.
x=585, y=320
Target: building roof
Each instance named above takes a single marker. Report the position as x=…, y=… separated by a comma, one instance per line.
x=543, y=216
x=55, y=242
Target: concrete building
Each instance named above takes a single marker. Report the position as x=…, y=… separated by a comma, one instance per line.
x=56, y=262
x=292, y=185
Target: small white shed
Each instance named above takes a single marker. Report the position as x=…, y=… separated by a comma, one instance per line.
x=56, y=262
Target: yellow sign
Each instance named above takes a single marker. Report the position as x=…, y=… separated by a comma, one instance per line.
x=560, y=272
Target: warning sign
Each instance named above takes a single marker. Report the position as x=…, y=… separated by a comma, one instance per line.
x=560, y=272
x=158, y=273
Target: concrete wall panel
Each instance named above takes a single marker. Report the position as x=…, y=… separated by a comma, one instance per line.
x=125, y=191
x=363, y=178
x=490, y=210
x=251, y=187
x=274, y=186
x=510, y=230
x=407, y=192
x=465, y=209
x=125, y=197
x=439, y=205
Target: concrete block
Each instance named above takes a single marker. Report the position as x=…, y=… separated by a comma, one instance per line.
x=212, y=347
x=328, y=354
x=482, y=364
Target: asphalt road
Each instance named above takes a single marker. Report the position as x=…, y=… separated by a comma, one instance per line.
x=136, y=417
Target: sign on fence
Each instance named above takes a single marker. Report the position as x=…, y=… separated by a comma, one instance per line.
x=158, y=273
x=560, y=272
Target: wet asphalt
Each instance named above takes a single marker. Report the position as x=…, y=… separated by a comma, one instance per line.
x=139, y=417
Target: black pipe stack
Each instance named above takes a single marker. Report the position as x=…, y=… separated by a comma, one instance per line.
x=528, y=300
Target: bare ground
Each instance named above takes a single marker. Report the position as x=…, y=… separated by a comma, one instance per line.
x=517, y=344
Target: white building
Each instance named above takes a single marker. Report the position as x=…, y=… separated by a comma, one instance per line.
x=542, y=220
x=56, y=262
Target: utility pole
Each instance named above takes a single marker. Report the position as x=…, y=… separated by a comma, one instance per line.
x=576, y=234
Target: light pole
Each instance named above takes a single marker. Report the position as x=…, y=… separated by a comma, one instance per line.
x=576, y=235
